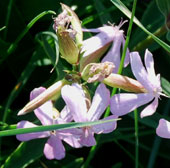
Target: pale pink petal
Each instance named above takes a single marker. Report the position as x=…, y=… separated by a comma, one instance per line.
x=36, y=92
x=97, y=30
x=100, y=102
x=106, y=127
x=139, y=71
x=95, y=43
x=163, y=129
x=72, y=139
x=87, y=138
x=150, y=109
x=66, y=115
x=113, y=54
x=124, y=103
x=45, y=112
x=149, y=62
x=75, y=100
x=54, y=148
x=30, y=136
x=106, y=35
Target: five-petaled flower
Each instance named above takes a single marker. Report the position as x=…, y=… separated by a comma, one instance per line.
x=54, y=149
x=124, y=103
x=83, y=111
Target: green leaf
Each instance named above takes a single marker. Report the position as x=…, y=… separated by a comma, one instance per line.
x=52, y=127
x=168, y=36
x=164, y=6
x=127, y=12
x=152, y=20
x=45, y=42
x=75, y=163
x=3, y=48
x=25, y=154
x=165, y=86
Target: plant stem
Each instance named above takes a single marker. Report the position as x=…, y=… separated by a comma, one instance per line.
x=8, y=17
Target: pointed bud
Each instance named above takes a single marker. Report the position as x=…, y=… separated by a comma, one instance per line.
x=49, y=94
x=97, y=71
x=125, y=83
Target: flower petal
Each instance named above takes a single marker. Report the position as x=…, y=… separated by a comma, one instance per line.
x=150, y=109
x=149, y=62
x=30, y=136
x=139, y=71
x=74, y=98
x=114, y=54
x=163, y=129
x=54, y=148
x=100, y=102
x=106, y=127
x=45, y=112
x=87, y=138
x=66, y=114
x=95, y=43
x=72, y=139
x=36, y=92
x=124, y=103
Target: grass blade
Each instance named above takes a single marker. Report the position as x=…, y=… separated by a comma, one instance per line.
x=52, y=127
x=127, y=12
x=30, y=24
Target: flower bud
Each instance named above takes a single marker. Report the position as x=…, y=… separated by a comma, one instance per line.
x=49, y=94
x=125, y=83
x=97, y=71
x=69, y=33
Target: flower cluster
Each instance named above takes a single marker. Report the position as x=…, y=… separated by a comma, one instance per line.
x=95, y=59
x=77, y=108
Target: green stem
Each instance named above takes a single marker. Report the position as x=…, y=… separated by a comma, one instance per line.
x=128, y=37
x=7, y=18
x=136, y=139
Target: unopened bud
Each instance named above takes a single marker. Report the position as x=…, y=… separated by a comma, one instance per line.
x=52, y=92
x=68, y=49
x=125, y=83
x=68, y=28
x=97, y=71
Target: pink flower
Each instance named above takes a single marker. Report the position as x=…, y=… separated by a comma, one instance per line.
x=94, y=47
x=163, y=129
x=83, y=111
x=124, y=103
x=54, y=148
